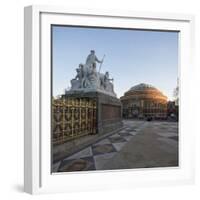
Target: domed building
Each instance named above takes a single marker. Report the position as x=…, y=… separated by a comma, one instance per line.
x=144, y=101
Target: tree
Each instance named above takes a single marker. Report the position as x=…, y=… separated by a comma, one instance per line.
x=176, y=93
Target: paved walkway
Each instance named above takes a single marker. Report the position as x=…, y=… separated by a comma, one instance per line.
x=139, y=144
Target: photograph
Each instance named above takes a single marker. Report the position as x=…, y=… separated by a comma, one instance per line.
x=114, y=98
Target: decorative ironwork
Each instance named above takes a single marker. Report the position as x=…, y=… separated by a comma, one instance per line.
x=73, y=118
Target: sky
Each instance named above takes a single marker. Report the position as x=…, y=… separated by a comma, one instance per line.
x=131, y=56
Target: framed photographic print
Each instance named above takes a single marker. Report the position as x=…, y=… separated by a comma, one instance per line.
x=106, y=102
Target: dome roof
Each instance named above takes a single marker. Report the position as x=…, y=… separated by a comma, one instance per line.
x=142, y=86
x=144, y=91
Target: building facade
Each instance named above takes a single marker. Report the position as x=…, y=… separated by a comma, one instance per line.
x=144, y=101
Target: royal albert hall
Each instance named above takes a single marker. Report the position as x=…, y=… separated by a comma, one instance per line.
x=144, y=101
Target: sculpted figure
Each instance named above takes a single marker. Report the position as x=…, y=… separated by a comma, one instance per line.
x=107, y=84
x=106, y=77
x=92, y=59
x=88, y=78
x=80, y=74
x=77, y=82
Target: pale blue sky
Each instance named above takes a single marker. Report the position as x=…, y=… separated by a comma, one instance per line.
x=132, y=56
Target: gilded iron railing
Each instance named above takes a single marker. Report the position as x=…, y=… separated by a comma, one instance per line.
x=73, y=118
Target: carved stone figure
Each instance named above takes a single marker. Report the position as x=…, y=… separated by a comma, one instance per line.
x=92, y=59
x=107, y=84
x=87, y=77
x=77, y=82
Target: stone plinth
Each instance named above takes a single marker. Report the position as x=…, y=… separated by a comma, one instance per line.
x=109, y=109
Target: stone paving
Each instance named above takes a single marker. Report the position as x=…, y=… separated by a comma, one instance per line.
x=135, y=146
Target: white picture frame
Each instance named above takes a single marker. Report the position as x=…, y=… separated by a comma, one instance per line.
x=37, y=165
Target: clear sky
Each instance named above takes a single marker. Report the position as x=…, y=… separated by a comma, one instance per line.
x=132, y=56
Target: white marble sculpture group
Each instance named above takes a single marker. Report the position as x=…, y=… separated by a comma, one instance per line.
x=88, y=79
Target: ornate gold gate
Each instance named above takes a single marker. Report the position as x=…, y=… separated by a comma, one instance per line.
x=72, y=118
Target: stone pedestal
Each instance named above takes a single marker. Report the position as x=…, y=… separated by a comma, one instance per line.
x=109, y=113
x=109, y=110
